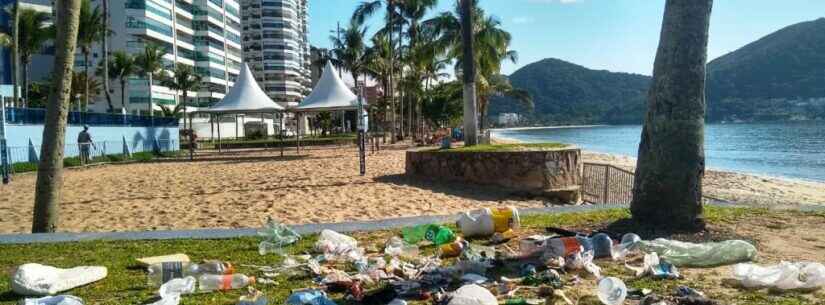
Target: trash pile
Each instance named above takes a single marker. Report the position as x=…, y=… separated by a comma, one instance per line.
x=489, y=263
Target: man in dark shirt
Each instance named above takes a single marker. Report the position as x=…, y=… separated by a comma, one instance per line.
x=84, y=141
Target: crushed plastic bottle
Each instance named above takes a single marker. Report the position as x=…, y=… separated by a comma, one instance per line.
x=784, y=276
x=629, y=243
x=276, y=236
x=684, y=254
x=215, y=282
x=611, y=291
x=396, y=247
x=655, y=268
x=165, y=272
x=336, y=246
x=436, y=234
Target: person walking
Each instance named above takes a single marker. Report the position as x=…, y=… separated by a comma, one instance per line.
x=84, y=141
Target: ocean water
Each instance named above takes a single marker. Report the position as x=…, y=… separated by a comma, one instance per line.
x=788, y=149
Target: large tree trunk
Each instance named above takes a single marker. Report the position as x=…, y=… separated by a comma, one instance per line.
x=104, y=48
x=50, y=169
x=394, y=116
x=191, y=132
x=668, y=184
x=469, y=70
x=15, y=50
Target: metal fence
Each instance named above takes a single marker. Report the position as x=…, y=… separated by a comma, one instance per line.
x=607, y=184
x=34, y=116
x=100, y=151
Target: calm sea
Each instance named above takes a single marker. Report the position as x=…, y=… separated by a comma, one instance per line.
x=789, y=149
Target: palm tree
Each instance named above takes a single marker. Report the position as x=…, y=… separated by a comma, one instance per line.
x=92, y=30
x=121, y=67
x=498, y=85
x=9, y=40
x=104, y=49
x=33, y=33
x=350, y=51
x=86, y=88
x=667, y=190
x=184, y=79
x=414, y=12
x=50, y=169
x=150, y=63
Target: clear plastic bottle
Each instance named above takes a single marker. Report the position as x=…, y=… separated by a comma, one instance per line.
x=164, y=272
x=612, y=291
x=215, y=282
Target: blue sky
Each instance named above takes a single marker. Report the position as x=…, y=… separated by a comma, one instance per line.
x=616, y=35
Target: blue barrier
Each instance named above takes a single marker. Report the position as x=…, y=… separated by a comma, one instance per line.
x=36, y=116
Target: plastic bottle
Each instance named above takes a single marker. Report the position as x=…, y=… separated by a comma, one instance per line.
x=612, y=291
x=164, y=272
x=214, y=282
x=487, y=221
x=454, y=248
x=397, y=247
x=436, y=234
x=628, y=243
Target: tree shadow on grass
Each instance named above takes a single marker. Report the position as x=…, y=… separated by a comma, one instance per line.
x=9, y=296
x=459, y=189
x=711, y=233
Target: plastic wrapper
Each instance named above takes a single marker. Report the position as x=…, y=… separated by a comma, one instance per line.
x=784, y=276
x=684, y=254
x=276, y=236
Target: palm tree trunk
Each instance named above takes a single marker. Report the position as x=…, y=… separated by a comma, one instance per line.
x=668, y=183
x=50, y=169
x=123, y=93
x=191, y=132
x=25, y=84
x=104, y=48
x=15, y=76
x=151, y=105
x=86, y=81
x=393, y=116
x=469, y=69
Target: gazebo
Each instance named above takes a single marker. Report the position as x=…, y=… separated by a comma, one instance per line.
x=245, y=97
x=330, y=94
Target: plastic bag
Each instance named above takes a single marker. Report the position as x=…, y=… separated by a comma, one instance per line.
x=41, y=280
x=276, y=235
x=655, y=268
x=54, y=300
x=784, y=276
x=684, y=254
x=337, y=246
x=309, y=297
x=473, y=295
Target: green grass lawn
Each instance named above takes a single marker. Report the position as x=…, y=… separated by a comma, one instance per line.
x=70, y=162
x=126, y=283
x=506, y=147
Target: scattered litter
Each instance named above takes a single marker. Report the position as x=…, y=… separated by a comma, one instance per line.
x=147, y=261
x=158, y=274
x=486, y=222
x=685, y=291
x=309, y=297
x=582, y=260
x=54, y=300
x=253, y=297
x=397, y=302
x=178, y=287
x=638, y=294
x=218, y=282
x=42, y=280
x=454, y=248
x=276, y=235
x=611, y=291
x=435, y=234
x=472, y=278
x=655, y=268
x=473, y=295
x=532, y=245
x=784, y=276
x=548, y=277
x=396, y=247
x=684, y=254
x=629, y=243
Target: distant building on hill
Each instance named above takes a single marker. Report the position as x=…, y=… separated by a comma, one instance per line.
x=508, y=119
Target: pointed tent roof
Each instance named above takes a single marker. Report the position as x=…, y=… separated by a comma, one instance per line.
x=329, y=94
x=245, y=97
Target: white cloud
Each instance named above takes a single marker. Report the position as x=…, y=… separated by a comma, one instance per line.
x=524, y=20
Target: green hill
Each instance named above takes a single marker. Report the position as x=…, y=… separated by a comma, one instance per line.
x=778, y=77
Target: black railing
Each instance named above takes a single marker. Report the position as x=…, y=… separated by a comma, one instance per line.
x=35, y=116
x=607, y=184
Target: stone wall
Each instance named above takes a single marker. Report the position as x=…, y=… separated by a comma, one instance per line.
x=555, y=173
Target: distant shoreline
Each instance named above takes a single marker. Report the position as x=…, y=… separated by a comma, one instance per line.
x=549, y=127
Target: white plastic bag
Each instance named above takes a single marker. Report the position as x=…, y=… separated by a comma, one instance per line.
x=330, y=240
x=473, y=295
x=41, y=280
x=55, y=300
x=171, y=291
x=784, y=276
x=684, y=254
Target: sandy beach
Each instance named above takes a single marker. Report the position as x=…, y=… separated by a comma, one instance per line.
x=241, y=189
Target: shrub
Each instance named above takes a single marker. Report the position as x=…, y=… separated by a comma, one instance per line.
x=23, y=167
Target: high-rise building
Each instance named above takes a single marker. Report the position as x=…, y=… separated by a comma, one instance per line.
x=276, y=47
x=40, y=66
x=204, y=34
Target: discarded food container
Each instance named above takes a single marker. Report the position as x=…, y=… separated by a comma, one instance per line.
x=54, y=300
x=700, y=255
x=164, y=272
x=473, y=295
x=42, y=280
x=215, y=282
x=532, y=245
x=436, y=234
x=487, y=221
x=784, y=276
x=611, y=291
x=309, y=297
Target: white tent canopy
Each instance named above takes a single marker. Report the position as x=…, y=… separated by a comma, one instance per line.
x=330, y=94
x=245, y=97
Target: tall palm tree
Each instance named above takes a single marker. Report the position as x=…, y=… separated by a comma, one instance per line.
x=184, y=79
x=150, y=63
x=8, y=39
x=121, y=67
x=91, y=31
x=498, y=85
x=50, y=169
x=667, y=190
x=350, y=51
x=33, y=33
x=414, y=12
x=104, y=49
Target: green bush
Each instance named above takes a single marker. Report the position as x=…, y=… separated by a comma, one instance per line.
x=24, y=167
x=71, y=162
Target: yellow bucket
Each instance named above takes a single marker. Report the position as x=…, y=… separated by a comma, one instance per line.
x=505, y=218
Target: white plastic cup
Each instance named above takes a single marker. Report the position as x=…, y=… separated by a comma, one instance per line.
x=612, y=291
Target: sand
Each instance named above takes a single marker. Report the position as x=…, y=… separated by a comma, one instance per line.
x=240, y=189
